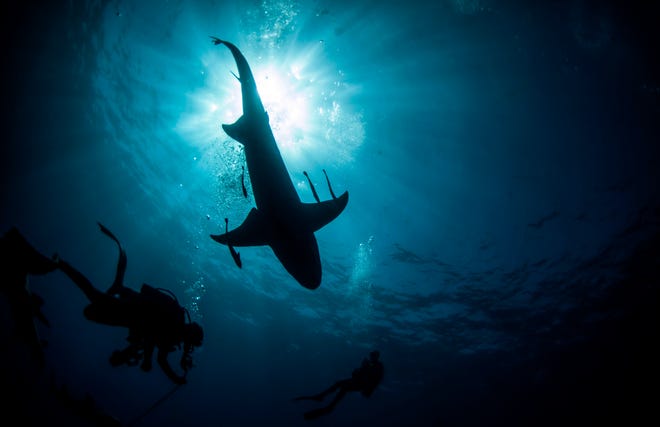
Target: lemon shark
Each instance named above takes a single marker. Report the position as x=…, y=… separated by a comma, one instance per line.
x=280, y=220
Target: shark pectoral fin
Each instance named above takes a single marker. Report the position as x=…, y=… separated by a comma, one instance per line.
x=237, y=130
x=255, y=231
x=316, y=215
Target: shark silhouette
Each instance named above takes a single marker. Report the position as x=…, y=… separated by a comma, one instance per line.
x=280, y=219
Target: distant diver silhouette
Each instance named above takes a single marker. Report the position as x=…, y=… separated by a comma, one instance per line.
x=153, y=317
x=364, y=379
x=19, y=260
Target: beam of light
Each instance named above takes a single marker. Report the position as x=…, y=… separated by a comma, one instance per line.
x=306, y=101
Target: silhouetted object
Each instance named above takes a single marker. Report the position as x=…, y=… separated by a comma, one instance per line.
x=243, y=182
x=280, y=220
x=364, y=379
x=332, y=193
x=316, y=196
x=153, y=317
x=86, y=408
x=234, y=254
x=155, y=405
x=19, y=260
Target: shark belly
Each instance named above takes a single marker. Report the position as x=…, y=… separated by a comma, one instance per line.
x=271, y=184
x=299, y=255
x=279, y=220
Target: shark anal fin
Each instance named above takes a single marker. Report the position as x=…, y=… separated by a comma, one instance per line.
x=254, y=231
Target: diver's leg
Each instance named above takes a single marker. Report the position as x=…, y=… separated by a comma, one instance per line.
x=81, y=281
x=339, y=396
x=342, y=384
x=315, y=413
x=319, y=397
x=118, y=283
x=312, y=397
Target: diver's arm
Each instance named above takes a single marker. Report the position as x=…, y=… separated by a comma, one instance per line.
x=165, y=366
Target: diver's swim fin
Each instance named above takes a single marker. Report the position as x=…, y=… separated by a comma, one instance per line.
x=118, y=283
x=315, y=413
x=108, y=233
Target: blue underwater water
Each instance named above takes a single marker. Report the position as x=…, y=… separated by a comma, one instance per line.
x=501, y=244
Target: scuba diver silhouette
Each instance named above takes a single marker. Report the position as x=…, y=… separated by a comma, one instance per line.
x=153, y=317
x=364, y=379
x=19, y=260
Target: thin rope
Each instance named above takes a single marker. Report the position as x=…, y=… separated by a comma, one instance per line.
x=155, y=405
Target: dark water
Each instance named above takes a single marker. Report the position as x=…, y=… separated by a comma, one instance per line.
x=501, y=245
